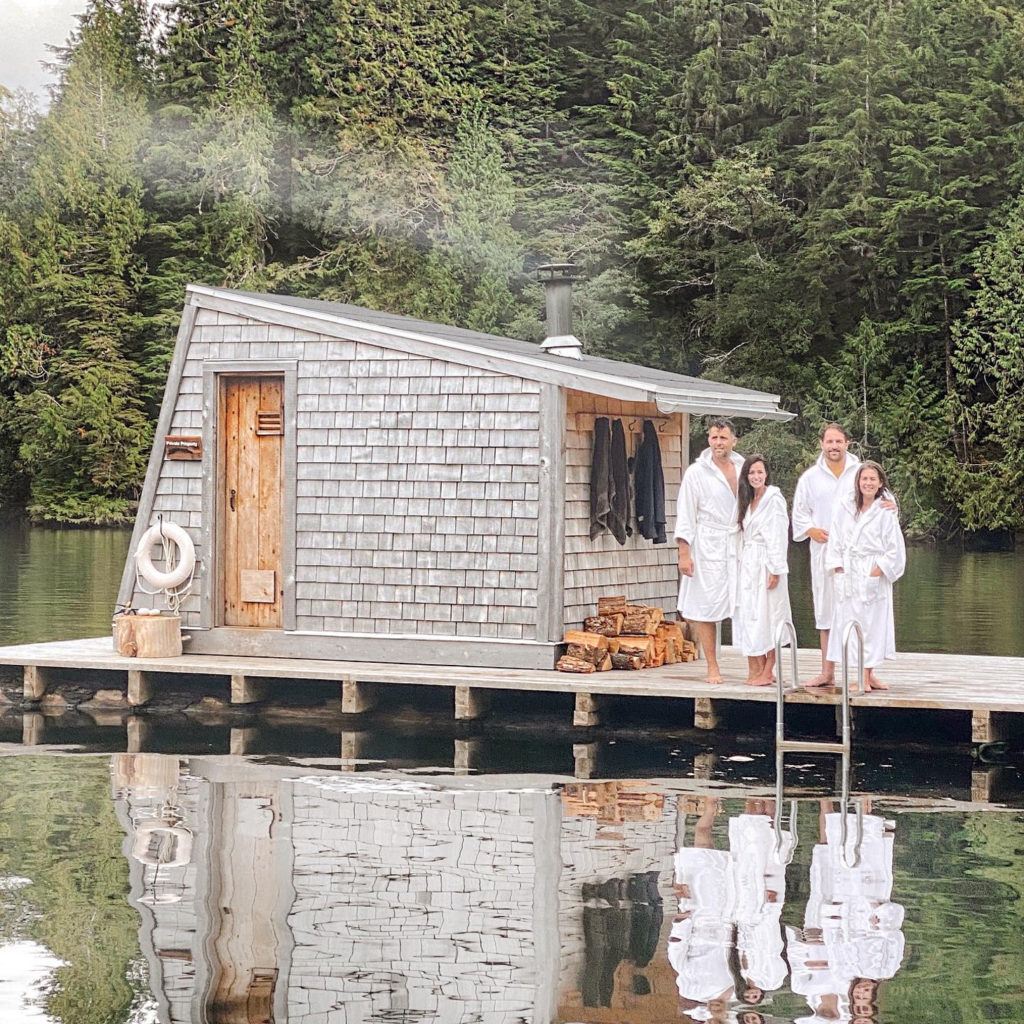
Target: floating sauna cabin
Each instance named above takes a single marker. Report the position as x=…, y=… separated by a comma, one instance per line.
x=369, y=487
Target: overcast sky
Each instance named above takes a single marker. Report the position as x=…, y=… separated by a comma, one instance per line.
x=26, y=26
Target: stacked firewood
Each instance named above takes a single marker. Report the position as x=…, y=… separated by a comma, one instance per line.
x=625, y=636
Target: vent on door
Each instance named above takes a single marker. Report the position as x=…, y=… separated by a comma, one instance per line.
x=269, y=422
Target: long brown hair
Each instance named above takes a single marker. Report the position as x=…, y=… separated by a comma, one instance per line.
x=883, y=491
x=744, y=492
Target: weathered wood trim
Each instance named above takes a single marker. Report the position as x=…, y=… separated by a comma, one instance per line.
x=547, y=861
x=156, y=457
x=551, y=517
x=265, y=643
x=211, y=593
x=33, y=728
x=699, y=396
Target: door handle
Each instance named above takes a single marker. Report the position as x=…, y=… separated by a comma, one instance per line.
x=231, y=499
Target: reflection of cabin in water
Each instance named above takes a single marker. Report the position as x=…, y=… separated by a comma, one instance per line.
x=341, y=898
x=365, y=486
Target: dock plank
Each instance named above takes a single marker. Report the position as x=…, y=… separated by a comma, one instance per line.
x=917, y=680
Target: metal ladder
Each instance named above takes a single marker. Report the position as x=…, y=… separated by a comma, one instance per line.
x=786, y=631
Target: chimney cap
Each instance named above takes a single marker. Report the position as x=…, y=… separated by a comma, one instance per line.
x=558, y=272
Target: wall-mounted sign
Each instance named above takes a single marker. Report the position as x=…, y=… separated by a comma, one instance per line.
x=183, y=448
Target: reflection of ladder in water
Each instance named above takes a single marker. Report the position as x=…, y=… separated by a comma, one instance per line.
x=786, y=632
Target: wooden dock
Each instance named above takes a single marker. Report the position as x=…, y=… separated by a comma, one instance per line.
x=991, y=689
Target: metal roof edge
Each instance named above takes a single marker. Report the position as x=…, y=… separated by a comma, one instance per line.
x=761, y=404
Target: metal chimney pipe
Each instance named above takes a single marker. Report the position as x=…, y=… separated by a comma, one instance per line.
x=558, y=279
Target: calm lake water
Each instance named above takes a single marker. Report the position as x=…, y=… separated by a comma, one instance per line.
x=406, y=868
x=146, y=888
x=61, y=584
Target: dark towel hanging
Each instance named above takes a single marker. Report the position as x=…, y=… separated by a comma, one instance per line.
x=649, y=483
x=600, y=478
x=610, y=498
x=618, y=521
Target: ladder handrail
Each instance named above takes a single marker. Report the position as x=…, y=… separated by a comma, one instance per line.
x=853, y=628
x=793, y=830
x=786, y=630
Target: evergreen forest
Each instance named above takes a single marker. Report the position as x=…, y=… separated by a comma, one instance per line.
x=818, y=198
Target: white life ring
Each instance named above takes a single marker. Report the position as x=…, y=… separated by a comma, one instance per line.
x=162, y=534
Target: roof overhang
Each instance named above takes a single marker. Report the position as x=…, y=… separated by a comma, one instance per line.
x=707, y=398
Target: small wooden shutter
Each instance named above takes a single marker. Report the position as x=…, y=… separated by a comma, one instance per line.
x=269, y=423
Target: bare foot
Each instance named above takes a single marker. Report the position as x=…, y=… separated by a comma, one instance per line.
x=820, y=680
x=874, y=684
x=760, y=681
x=715, y=680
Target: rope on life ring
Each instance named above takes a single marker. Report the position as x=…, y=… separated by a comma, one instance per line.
x=186, y=561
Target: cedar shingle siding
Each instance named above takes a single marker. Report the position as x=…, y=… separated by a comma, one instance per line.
x=417, y=490
x=434, y=483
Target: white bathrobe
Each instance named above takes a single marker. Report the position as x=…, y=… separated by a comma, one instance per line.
x=862, y=928
x=813, y=505
x=700, y=943
x=858, y=544
x=706, y=519
x=762, y=550
x=759, y=871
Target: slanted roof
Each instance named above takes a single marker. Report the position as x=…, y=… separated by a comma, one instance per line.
x=671, y=392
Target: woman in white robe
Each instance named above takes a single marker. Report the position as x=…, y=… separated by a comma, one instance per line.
x=866, y=554
x=760, y=895
x=762, y=588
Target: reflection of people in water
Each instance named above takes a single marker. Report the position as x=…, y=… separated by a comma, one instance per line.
x=864, y=1001
x=761, y=892
x=852, y=936
x=726, y=944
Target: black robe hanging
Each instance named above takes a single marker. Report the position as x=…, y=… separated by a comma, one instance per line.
x=609, y=481
x=649, y=484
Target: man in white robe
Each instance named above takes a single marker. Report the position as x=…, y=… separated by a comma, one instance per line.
x=706, y=532
x=813, y=506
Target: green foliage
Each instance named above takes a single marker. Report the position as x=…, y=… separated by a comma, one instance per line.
x=794, y=197
x=987, y=405
x=58, y=828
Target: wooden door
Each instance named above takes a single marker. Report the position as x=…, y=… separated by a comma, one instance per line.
x=251, y=502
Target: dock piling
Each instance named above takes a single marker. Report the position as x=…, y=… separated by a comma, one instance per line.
x=588, y=710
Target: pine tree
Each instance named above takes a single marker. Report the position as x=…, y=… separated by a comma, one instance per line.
x=987, y=404
x=72, y=338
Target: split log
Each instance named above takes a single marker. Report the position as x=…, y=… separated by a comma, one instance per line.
x=611, y=605
x=597, y=657
x=606, y=625
x=640, y=620
x=633, y=644
x=631, y=661
x=586, y=639
x=613, y=645
x=568, y=664
x=669, y=641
